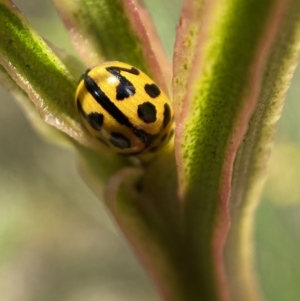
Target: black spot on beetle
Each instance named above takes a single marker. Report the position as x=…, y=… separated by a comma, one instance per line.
x=167, y=115
x=125, y=88
x=152, y=90
x=119, y=140
x=147, y=112
x=95, y=120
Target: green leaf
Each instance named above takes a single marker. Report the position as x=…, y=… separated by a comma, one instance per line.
x=220, y=75
x=36, y=69
x=114, y=31
x=50, y=86
x=22, y=98
x=252, y=159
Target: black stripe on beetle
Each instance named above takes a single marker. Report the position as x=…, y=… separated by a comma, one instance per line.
x=125, y=88
x=132, y=70
x=82, y=75
x=113, y=110
x=147, y=112
x=152, y=90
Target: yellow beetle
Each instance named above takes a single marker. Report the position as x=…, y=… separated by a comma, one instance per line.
x=124, y=109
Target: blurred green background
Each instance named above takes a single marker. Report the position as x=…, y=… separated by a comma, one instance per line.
x=57, y=241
